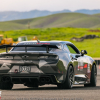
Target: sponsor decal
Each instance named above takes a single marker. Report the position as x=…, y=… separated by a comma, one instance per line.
x=80, y=66
x=0, y=94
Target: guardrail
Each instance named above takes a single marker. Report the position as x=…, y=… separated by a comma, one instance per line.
x=97, y=60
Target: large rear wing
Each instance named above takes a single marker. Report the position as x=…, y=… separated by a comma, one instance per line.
x=43, y=45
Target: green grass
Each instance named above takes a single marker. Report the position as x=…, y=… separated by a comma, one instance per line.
x=65, y=34
x=56, y=20
x=2, y=50
x=92, y=47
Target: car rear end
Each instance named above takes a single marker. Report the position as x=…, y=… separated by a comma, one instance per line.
x=31, y=65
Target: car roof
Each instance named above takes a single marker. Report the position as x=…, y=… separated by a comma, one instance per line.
x=53, y=42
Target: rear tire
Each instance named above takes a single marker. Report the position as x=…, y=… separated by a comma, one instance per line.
x=93, y=76
x=87, y=85
x=6, y=85
x=68, y=84
x=93, y=79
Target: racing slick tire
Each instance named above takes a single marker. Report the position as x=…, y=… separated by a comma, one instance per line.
x=6, y=85
x=93, y=79
x=68, y=83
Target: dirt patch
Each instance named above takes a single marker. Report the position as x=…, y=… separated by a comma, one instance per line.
x=84, y=37
x=93, y=30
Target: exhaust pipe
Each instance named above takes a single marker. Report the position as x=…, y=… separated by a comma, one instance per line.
x=47, y=80
x=42, y=80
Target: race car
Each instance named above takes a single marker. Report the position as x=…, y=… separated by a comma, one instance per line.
x=36, y=63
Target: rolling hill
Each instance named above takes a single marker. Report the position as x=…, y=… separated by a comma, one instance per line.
x=15, y=15
x=56, y=20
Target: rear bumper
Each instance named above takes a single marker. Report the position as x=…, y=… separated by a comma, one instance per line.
x=30, y=78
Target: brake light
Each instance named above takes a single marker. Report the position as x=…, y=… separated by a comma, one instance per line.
x=85, y=66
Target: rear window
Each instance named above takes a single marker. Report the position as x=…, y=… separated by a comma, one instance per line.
x=31, y=49
x=34, y=46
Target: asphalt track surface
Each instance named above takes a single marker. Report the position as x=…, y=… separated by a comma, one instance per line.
x=50, y=92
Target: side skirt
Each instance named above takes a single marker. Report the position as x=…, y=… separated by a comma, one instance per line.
x=81, y=79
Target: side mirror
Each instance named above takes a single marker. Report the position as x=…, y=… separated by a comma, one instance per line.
x=83, y=52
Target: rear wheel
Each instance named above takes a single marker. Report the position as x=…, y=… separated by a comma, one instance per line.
x=93, y=76
x=93, y=79
x=6, y=85
x=68, y=84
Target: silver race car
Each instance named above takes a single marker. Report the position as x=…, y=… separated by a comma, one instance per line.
x=35, y=63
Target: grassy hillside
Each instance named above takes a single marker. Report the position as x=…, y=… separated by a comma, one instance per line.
x=91, y=45
x=57, y=20
x=97, y=15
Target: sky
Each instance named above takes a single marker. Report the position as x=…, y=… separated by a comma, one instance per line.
x=51, y=5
